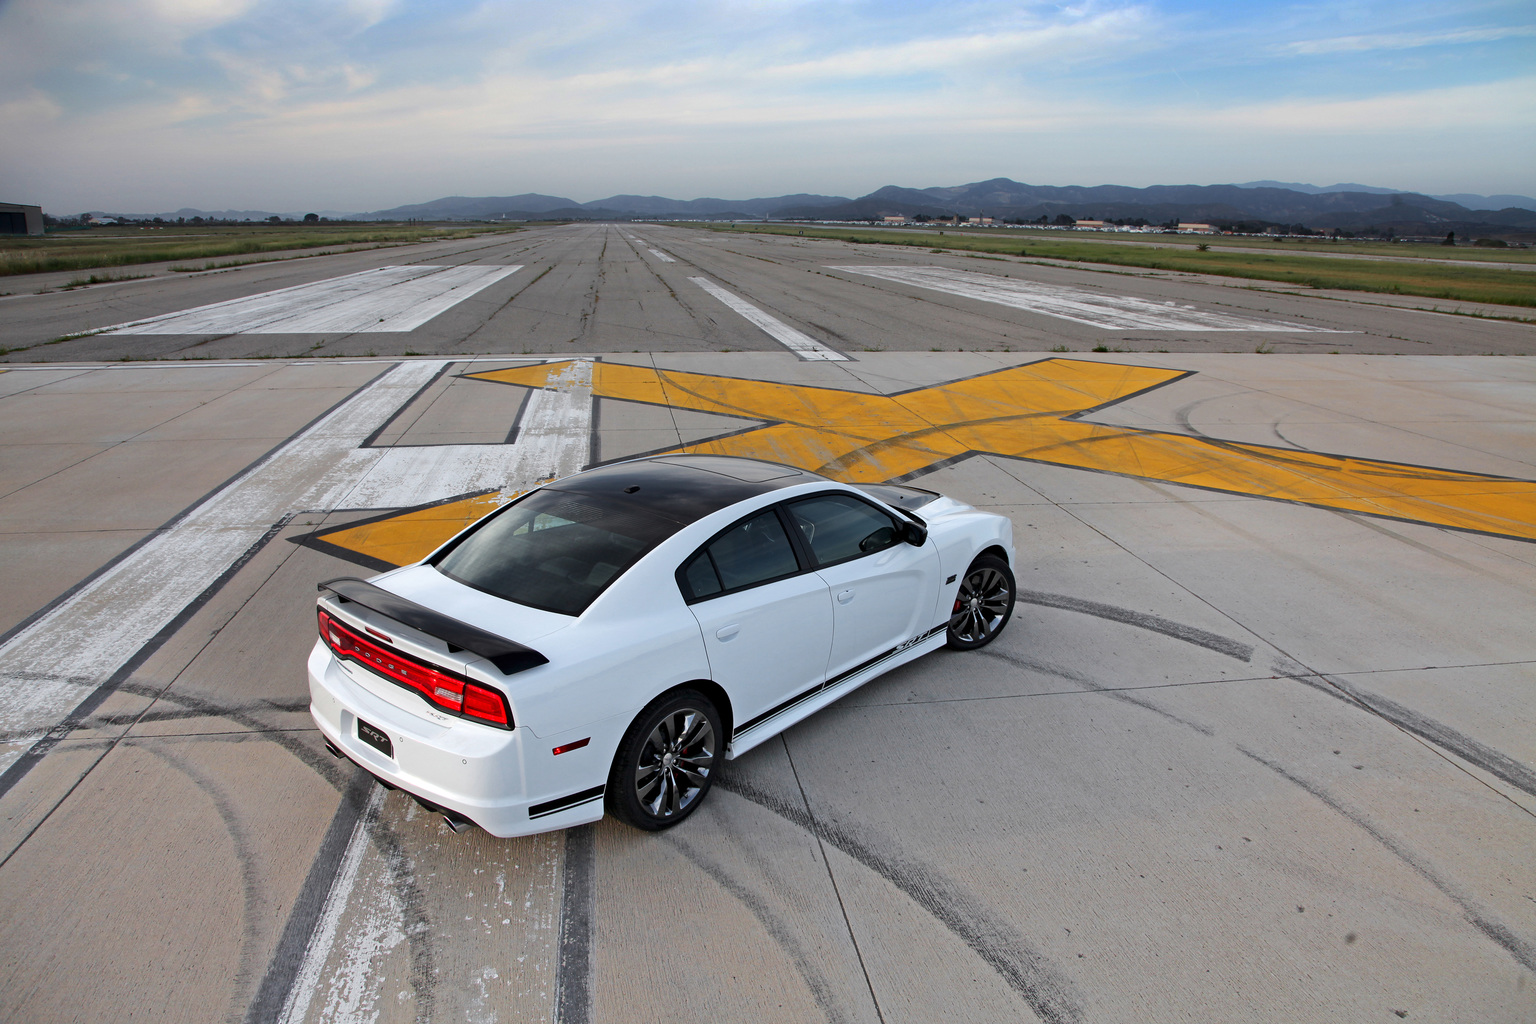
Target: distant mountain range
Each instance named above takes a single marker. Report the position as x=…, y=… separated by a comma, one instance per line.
x=1253, y=205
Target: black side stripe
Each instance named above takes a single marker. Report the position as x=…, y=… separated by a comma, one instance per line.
x=835, y=680
x=551, y=806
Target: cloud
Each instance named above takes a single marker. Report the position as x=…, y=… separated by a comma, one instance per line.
x=1406, y=40
x=376, y=102
x=1509, y=104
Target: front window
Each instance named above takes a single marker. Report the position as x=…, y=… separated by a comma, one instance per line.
x=838, y=527
x=554, y=550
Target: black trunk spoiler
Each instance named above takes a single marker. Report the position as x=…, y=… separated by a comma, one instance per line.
x=508, y=656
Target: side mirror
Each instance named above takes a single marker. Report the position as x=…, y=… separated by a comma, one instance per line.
x=914, y=534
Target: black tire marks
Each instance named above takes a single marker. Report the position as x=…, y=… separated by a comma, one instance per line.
x=1046, y=988
x=1142, y=620
x=779, y=930
x=1492, y=761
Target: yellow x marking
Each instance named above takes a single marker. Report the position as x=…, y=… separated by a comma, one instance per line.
x=1027, y=412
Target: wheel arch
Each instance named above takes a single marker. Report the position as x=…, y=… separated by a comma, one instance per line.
x=996, y=549
x=717, y=695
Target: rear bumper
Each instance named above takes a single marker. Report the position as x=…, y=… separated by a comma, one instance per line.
x=477, y=772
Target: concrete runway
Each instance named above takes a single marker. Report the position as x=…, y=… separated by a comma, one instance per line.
x=637, y=288
x=1260, y=743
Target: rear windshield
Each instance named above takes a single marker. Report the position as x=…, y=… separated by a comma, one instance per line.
x=554, y=550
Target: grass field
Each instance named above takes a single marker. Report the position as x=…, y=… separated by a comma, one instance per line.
x=99, y=248
x=1436, y=279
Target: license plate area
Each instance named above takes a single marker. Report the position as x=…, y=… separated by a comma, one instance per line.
x=375, y=738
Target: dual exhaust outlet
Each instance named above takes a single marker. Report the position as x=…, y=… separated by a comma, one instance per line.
x=457, y=823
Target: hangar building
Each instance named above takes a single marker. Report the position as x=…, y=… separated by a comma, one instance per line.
x=20, y=220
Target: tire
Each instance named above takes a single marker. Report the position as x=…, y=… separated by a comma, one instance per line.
x=666, y=761
x=983, y=605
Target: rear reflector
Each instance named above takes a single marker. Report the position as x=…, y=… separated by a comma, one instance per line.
x=444, y=690
x=562, y=748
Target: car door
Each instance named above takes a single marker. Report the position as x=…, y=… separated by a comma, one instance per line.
x=882, y=587
x=766, y=619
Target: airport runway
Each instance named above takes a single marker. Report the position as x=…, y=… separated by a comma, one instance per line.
x=1260, y=743
x=651, y=288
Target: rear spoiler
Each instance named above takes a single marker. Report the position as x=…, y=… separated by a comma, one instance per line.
x=508, y=656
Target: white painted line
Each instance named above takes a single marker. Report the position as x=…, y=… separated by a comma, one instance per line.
x=662, y=256
x=1110, y=312
x=387, y=299
x=806, y=348
x=49, y=667
x=553, y=440
x=202, y=364
x=318, y=951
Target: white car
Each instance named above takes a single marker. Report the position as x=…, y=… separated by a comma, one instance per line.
x=609, y=639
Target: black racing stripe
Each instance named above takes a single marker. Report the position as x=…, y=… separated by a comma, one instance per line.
x=551, y=806
x=836, y=680
x=904, y=645
x=813, y=691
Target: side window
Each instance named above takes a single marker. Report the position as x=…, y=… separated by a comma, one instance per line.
x=753, y=551
x=838, y=527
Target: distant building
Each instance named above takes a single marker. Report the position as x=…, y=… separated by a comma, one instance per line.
x=896, y=219
x=984, y=221
x=1089, y=224
x=20, y=220
x=1198, y=229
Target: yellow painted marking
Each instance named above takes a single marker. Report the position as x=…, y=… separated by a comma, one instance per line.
x=1022, y=412
x=412, y=535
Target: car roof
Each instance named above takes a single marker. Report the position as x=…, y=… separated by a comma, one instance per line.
x=684, y=488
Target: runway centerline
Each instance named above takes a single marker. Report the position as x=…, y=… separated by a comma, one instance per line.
x=800, y=344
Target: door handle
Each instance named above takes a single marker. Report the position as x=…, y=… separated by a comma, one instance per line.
x=845, y=597
x=728, y=632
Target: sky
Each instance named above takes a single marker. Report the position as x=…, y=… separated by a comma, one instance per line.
x=142, y=106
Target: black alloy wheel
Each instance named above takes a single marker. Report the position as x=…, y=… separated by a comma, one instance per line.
x=983, y=604
x=666, y=762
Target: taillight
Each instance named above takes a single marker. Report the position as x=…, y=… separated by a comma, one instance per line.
x=443, y=689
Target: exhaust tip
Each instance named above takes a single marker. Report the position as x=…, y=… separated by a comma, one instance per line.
x=456, y=824
x=334, y=749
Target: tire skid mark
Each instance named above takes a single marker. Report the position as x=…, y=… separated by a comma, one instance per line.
x=1142, y=620
x=1047, y=989
x=1523, y=952
x=1094, y=686
x=775, y=927
x=1494, y=762
x=253, y=893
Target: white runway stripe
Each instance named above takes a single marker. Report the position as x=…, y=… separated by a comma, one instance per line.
x=389, y=299
x=1111, y=312
x=662, y=256
x=47, y=668
x=806, y=348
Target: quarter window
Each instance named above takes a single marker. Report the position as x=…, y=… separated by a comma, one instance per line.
x=754, y=551
x=838, y=527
